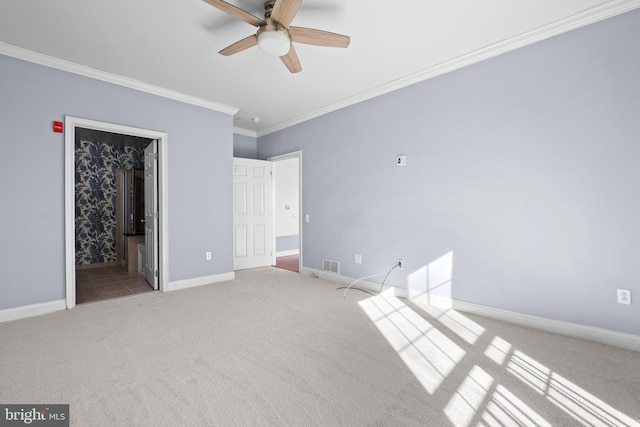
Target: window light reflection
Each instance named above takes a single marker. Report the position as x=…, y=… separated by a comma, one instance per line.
x=426, y=351
x=506, y=409
x=461, y=325
x=469, y=398
x=498, y=350
x=479, y=400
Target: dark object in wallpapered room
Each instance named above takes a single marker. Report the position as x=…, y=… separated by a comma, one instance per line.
x=133, y=202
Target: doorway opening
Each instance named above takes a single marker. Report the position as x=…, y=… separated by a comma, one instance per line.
x=112, y=240
x=109, y=224
x=266, y=212
x=287, y=196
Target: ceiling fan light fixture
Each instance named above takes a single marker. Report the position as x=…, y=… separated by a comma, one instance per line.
x=274, y=42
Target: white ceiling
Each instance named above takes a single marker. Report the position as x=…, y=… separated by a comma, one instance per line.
x=173, y=44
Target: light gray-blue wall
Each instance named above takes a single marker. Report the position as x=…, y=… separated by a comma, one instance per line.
x=200, y=148
x=522, y=168
x=287, y=243
x=245, y=146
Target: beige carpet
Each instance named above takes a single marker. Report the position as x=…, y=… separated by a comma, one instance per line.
x=277, y=348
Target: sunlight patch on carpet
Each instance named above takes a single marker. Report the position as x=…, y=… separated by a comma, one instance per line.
x=431, y=356
x=469, y=398
x=457, y=323
x=584, y=407
x=498, y=350
x=428, y=353
x=478, y=398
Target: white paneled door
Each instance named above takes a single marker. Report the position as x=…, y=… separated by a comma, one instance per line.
x=151, y=213
x=252, y=238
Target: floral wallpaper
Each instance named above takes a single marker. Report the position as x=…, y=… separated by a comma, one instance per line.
x=96, y=162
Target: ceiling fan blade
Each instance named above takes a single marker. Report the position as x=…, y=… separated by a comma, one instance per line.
x=236, y=12
x=284, y=11
x=240, y=45
x=291, y=61
x=318, y=37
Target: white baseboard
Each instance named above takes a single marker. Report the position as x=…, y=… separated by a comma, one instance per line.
x=576, y=330
x=31, y=310
x=288, y=253
x=199, y=281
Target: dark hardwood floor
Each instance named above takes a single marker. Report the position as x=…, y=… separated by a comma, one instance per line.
x=290, y=262
x=99, y=283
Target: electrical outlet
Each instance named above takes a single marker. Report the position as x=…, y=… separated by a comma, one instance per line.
x=624, y=296
x=207, y=256
x=400, y=263
x=358, y=259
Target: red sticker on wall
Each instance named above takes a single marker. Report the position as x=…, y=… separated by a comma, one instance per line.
x=57, y=127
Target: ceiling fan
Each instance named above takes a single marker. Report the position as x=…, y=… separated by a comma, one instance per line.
x=274, y=35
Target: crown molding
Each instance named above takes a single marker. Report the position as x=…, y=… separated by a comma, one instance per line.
x=245, y=132
x=587, y=17
x=83, y=70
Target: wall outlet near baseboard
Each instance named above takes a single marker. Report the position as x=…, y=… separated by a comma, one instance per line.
x=624, y=296
x=400, y=263
x=207, y=256
x=358, y=259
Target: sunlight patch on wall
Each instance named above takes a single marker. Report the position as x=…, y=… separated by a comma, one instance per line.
x=428, y=353
x=432, y=283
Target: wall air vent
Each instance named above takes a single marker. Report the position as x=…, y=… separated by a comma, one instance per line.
x=330, y=266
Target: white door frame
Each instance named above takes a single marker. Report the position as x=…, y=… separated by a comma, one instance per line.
x=69, y=197
x=292, y=155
